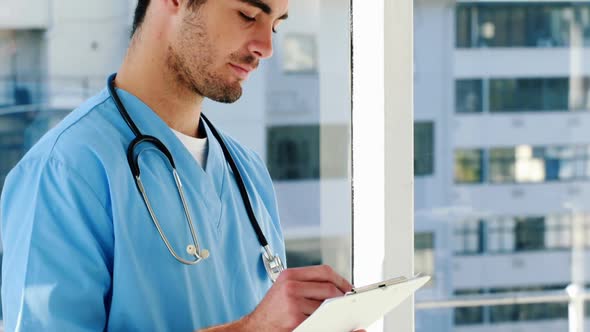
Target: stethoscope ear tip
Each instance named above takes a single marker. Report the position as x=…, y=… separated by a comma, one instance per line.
x=192, y=250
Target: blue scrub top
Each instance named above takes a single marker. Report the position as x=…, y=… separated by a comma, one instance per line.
x=81, y=252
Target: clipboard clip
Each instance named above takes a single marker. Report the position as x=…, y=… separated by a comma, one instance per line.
x=381, y=284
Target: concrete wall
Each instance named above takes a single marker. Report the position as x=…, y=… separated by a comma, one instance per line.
x=25, y=14
x=85, y=43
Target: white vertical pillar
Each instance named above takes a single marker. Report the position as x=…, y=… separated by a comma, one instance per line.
x=576, y=289
x=368, y=142
x=382, y=128
x=399, y=153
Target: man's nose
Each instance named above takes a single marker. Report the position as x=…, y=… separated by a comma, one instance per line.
x=261, y=44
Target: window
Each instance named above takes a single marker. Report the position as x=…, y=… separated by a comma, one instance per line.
x=303, y=252
x=469, y=237
x=558, y=231
x=561, y=162
x=294, y=152
x=528, y=164
x=468, y=315
x=519, y=24
x=512, y=234
x=551, y=94
x=469, y=166
x=527, y=312
x=423, y=148
x=512, y=312
x=300, y=54
x=20, y=78
x=464, y=37
x=529, y=233
x=468, y=96
x=502, y=162
x=500, y=235
x=529, y=94
x=424, y=254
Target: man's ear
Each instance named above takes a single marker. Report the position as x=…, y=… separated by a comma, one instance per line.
x=173, y=5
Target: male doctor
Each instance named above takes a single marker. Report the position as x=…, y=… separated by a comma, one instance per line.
x=81, y=250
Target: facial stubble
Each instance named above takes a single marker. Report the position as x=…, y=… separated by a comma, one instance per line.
x=192, y=61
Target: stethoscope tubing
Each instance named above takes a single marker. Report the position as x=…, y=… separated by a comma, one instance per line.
x=134, y=166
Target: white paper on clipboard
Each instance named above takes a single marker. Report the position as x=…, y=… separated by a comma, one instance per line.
x=359, y=310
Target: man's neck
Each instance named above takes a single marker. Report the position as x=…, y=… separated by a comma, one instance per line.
x=144, y=74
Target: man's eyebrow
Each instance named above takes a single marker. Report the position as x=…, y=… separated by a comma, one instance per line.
x=264, y=7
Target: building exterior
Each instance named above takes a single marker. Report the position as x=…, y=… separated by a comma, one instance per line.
x=502, y=143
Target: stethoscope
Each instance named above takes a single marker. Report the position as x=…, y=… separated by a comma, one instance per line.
x=272, y=262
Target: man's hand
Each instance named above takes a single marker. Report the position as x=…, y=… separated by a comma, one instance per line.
x=296, y=294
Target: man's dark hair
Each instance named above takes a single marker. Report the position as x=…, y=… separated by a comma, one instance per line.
x=141, y=9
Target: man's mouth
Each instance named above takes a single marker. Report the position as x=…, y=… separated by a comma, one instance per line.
x=242, y=71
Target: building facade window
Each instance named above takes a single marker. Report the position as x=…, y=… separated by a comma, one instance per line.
x=529, y=233
x=300, y=54
x=469, y=166
x=303, y=252
x=530, y=311
x=509, y=313
x=524, y=164
x=529, y=94
x=469, y=315
x=470, y=237
x=500, y=235
x=294, y=152
x=519, y=24
x=424, y=261
x=469, y=95
x=558, y=230
x=423, y=148
x=501, y=162
x=507, y=95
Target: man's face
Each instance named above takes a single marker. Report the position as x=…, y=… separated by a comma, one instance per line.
x=217, y=45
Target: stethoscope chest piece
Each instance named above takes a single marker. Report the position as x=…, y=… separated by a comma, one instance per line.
x=272, y=263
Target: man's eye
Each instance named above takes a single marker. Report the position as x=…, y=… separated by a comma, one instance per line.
x=247, y=18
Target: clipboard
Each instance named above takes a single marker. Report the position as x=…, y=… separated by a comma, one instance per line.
x=362, y=306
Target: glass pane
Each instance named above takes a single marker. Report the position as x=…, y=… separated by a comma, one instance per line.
x=305, y=92
x=513, y=24
x=507, y=202
x=468, y=166
x=423, y=148
x=468, y=96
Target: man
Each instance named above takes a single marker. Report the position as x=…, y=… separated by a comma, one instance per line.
x=81, y=250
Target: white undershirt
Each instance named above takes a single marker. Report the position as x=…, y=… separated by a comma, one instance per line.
x=198, y=147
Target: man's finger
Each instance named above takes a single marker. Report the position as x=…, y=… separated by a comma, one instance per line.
x=320, y=273
x=316, y=290
x=308, y=306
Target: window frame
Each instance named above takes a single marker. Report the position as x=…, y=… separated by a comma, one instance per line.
x=382, y=155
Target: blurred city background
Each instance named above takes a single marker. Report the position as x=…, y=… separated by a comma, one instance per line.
x=502, y=163
x=502, y=139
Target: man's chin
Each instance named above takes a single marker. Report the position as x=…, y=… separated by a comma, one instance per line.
x=227, y=97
